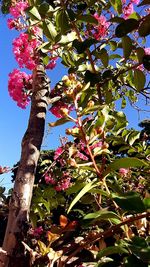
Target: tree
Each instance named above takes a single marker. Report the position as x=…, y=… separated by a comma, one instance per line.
x=100, y=44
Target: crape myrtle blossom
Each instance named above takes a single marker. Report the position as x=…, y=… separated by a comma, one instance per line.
x=123, y=172
x=24, y=50
x=128, y=10
x=101, y=30
x=147, y=51
x=18, y=9
x=18, y=84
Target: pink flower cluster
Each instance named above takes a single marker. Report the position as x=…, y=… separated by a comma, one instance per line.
x=17, y=86
x=123, y=172
x=52, y=64
x=129, y=8
x=37, y=231
x=25, y=51
x=58, y=152
x=18, y=10
x=49, y=179
x=59, y=107
x=61, y=184
x=100, y=30
x=64, y=183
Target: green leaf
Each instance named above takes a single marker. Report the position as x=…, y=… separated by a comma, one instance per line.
x=139, y=79
x=117, y=5
x=43, y=249
x=126, y=27
x=111, y=250
x=140, y=53
x=125, y=163
x=103, y=55
x=113, y=45
x=101, y=215
x=88, y=19
x=117, y=19
x=86, y=188
x=34, y=13
x=58, y=122
x=91, y=77
x=146, y=62
x=127, y=46
x=133, y=137
x=74, y=188
x=140, y=249
x=129, y=201
x=49, y=30
x=147, y=203
x=62, y=21
x=144, y=28
x=123, y=103
x=43, y=9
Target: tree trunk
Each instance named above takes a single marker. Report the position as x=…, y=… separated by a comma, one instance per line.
x=23, y=187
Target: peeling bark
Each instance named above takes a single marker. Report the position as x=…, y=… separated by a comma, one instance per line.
x=22, y=193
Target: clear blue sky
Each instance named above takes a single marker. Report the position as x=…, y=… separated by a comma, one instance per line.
x=13, y=120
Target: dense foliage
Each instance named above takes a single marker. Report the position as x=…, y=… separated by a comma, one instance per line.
x=90, y=205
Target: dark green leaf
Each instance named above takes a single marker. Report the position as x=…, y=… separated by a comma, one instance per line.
x=139, y=79
x=144, y=28
x=127, y=46
x=140, y=53
x=85, y=189
x=125, y=163
x=62, y=21
x=146, y=62
x=129, y=201
x=111, y=250
x=43, y=9
x=103, y=55
x=101, y=215
x=88, y=19
x=117, y=20
x=126, y=27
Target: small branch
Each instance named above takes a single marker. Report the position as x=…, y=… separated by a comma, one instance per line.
x=105, y=234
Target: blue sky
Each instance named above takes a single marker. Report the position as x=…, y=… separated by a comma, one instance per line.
x=13, y=120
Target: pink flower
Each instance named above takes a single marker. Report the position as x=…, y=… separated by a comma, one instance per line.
x=123, y=172
x=49, y=179
x=64, y=183
x=81, y=156
x=11, y=24
x=58, y=152
x=135, y=1
x=37, y=231
x=58, y=108
x=100, y=30
x=18, y=84
x=147, y=51
x=52, y=64
x=4, y=169
x=25, y=51
x=128, y=10
x=18, y=9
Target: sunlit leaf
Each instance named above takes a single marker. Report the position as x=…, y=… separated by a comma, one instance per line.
x=86, y=188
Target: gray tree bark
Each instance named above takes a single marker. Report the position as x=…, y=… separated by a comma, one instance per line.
x=22, y=193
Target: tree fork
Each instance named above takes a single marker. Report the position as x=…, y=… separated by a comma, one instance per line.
x=31, y=143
